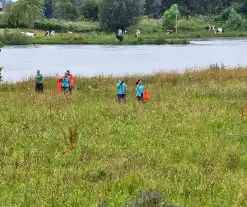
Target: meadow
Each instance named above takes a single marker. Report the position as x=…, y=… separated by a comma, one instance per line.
x=185, y=147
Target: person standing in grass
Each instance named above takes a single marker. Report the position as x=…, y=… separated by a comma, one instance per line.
x=66, y=83
x=121, y=90
x=139, y=91
x=39, y=87
x=71, y=81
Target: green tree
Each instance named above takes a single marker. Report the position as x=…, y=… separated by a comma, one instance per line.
x=155, y=8
x=89, y=10
x=170, y=17
x=24, y=13
x=66, y=9
x=235, y=21
x=114, y=14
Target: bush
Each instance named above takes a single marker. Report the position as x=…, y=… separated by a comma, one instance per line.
x=51, y=24
x=236, y=21
x=63, y=26
x=14, y=38
x=232, y=20
x=169, y=17
x=89, y=10
x=1, y=45
x=3, y=23
x=115, y=14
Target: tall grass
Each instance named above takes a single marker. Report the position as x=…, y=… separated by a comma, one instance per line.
x=188, y=143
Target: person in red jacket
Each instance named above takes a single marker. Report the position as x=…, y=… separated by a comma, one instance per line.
x=71, y=82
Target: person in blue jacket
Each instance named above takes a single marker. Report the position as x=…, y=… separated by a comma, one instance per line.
x=139, y=91
x=121, y=90
x=66, y=83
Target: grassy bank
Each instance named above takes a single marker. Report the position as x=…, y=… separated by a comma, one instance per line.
x=188, y=141
x=152, y=32
x=103, y=39
x=14, y=37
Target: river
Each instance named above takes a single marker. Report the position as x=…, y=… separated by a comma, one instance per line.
x=21, y=62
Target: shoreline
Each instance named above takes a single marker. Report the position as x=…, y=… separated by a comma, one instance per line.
x=215, y=68
x=14, y=37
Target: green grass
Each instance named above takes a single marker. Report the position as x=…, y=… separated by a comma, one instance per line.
x=101, y=39
x=188, y=141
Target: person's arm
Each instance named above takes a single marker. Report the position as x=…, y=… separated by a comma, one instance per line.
x=119, y=84
x=42, y=79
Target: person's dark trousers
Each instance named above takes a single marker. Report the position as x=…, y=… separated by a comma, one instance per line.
x=121, y=96
x=39, y=87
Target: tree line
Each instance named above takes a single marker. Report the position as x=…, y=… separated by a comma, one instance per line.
x=152, y=8
x=112, y=14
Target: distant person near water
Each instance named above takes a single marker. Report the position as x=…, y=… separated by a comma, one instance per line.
x=121, y=90
x=39, y=86
x=139, y=91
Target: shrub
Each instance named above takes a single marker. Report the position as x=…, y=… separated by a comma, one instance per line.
x=14, y=38
x=236, y=21
x=50, y=25
x=60, y=25
x=232, y=20
x=3, y=23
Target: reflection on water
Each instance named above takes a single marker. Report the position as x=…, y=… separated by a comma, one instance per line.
x=22, y=61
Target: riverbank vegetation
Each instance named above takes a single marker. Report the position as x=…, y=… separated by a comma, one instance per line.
x=15, y=37
x=103, y=18
x=187, y=144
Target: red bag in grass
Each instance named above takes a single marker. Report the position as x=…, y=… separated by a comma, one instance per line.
x=59, y=84
x=145, y=95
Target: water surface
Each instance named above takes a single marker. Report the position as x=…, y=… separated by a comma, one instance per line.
x=21, y=62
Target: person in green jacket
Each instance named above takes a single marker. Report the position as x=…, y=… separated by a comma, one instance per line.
x=121, y=90
x=39, y=86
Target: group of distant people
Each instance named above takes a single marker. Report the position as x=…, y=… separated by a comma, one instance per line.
x=141, y=93
x=66, y=83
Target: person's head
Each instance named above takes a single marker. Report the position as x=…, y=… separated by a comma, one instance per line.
x=65, y=74
x=68, y=72
x=137, y=82
x=38, y=72
x=122, y=80
x=140, y=81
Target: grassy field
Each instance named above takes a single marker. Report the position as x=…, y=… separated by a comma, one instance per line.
x=188, y=142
